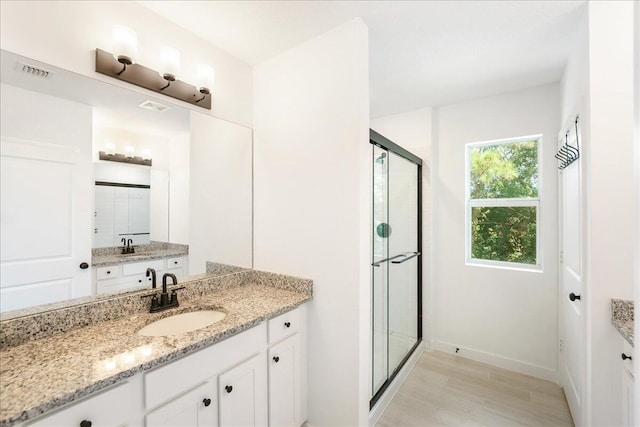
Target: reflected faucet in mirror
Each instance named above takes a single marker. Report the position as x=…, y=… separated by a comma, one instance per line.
x=126, y=246
x=152, y=272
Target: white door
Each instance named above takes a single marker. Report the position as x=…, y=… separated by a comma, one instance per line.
x=45, y=226
x=242, y=394
x=571, y=283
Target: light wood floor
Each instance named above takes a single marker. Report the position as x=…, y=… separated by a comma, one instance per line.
x=446, y=390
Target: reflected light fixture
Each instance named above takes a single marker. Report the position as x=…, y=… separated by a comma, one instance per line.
x=206, y=78
x=122, y=65
x=125, y=45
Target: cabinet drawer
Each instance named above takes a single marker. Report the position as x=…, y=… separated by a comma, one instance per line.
x=284, y=325
x=108, y=272
x=174, y=263
x=141, y=267
x=176, y=377
x=110, y=408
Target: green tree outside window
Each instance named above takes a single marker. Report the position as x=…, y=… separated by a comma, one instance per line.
x=503, y=201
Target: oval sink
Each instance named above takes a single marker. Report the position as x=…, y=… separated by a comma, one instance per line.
x=181, y=323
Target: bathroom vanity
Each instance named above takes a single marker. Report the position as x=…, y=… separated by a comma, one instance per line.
x=91, y=367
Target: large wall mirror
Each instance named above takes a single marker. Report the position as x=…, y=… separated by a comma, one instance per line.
x=183, y=179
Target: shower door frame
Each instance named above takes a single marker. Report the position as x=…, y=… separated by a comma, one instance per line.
x=376, y=139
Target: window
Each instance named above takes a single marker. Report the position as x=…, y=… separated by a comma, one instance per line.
x=503, y=203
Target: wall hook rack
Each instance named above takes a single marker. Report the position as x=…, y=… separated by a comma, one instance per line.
x=568, y=153
x=147, y=78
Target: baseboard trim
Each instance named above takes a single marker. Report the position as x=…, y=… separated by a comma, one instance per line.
x=496, y=360
x=377, y=411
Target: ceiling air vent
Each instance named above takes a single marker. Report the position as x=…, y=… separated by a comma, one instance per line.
x=154, y=106
x=34, y=71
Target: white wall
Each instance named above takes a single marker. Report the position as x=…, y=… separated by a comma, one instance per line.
x=502, y=316
x=313, y=205
x=412, y=131
x=610, y=185
x=66, y=33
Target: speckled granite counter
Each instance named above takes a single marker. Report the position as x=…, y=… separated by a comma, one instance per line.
x=103, y=257
x=39, y=375
x=622, y=312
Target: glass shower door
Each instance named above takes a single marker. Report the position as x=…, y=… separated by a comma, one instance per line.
x=395, y=264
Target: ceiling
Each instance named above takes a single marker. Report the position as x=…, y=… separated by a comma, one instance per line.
x=421, y=52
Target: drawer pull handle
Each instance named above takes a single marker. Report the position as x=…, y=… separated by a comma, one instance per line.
x=228, y=388
x=84, y=266
x=206, y=402
x=287, y=324
x=108, y=272
x=625, y=357
x=175, y=262
x=85, y=423
x=276, y=359
x=573, y=296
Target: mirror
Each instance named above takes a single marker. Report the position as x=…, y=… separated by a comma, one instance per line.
x=89, y=168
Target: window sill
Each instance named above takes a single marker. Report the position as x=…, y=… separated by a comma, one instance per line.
x=505, y=265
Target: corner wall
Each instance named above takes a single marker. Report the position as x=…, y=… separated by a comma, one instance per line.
x=312, y=206
x=504, y=317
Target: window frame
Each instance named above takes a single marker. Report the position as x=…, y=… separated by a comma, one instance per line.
x=506, y=202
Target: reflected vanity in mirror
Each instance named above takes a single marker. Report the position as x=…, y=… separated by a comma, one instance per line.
x=180, y=198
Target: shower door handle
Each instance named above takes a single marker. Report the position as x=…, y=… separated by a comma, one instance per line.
x=408, y=256
x=377, y=263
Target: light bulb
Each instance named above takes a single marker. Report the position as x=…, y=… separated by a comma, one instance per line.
x=110, y=148
x=146, y=154
x=170, y=63
x=129, y=151
x=125, y=44
x=206, y=78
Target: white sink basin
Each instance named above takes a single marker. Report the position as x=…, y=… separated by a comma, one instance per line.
x=181, y=323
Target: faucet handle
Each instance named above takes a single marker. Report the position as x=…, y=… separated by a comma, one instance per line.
x=174, y=295
x=154, y=300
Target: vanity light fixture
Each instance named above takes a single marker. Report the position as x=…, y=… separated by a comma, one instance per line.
x=122, y=65
x=128, y=156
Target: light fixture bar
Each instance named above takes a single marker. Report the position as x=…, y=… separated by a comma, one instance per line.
x=147, y=78
x=123, y=158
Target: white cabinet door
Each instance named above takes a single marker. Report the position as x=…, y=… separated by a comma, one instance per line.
x=197, y=407
x=285, y=402
x=628, y=415
x=112, y=408
x=243, y=394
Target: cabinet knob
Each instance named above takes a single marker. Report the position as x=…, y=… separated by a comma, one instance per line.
x=228, y=388
x=84, y=266
x=625, y=357
x=287, y=324
x=85, y=423
x=109, y=272
x=573, y=296
x=276, y=359
x=206, y=401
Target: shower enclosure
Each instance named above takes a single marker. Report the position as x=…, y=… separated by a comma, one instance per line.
x=396, y=260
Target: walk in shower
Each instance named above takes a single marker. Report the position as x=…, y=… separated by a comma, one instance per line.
x=396, y=323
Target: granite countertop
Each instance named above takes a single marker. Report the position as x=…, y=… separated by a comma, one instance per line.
x=115, y=259
x=43, y=374
x=622, y=312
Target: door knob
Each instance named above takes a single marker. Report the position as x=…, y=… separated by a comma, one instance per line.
x=287, y=324
x=625, y=357
x=206, y=402
x=84, y=266
x=276, y=359
x=85, y=423
x=228, y=388
x=573, y=296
